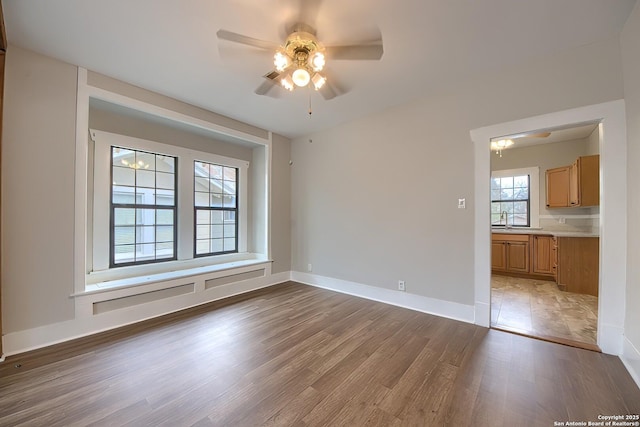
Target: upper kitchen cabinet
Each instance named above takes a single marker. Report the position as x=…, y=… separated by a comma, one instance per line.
x=558, y=187
x=576, y=185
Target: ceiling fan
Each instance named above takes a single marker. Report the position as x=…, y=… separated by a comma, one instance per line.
x=300, y=61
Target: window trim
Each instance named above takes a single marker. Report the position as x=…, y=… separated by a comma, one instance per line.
x=534, y=191
x=98, y=257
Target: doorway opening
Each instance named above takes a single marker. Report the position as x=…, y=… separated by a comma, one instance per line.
x=612, y=212
x=544, y=234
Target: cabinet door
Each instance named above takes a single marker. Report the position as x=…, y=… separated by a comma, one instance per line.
x=558, y=187
x=498, y=256
x=574, y=183
x=543, y=255
x=518, y=256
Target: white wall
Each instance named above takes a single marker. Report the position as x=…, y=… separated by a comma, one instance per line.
x=37, y=190
x=630, y=42
x=375, y=200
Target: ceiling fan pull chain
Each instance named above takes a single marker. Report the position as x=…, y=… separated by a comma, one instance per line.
x=310, y=112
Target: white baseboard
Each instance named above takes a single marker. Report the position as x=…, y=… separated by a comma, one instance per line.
x=451, y=310
x=631, y=359
x=43, y=336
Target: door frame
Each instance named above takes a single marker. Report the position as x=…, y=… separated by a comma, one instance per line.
x=613, y=211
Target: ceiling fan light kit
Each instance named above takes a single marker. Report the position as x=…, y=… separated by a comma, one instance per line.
x=300, y=60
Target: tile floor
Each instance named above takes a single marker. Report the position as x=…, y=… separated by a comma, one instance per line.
x=539, y=308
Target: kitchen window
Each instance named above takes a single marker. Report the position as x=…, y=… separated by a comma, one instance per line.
x=514, y=197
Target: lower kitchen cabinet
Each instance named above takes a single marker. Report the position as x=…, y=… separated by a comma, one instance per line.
x=579, y=264
x=510, y=253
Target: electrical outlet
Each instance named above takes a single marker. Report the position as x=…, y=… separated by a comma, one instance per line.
x=309, y=268
x=562, y=220
x=401, y=286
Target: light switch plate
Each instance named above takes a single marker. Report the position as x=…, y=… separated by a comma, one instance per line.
x=462, y=203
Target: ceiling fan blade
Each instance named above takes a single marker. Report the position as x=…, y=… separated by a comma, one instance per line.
x=328, y=91
x=249, y=41
x=356, y=52
x=272, y=80
x=530, y=135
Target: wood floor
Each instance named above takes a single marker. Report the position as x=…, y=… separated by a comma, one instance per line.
x=293, y=355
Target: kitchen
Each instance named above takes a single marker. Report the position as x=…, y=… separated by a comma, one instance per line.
x=545, y=234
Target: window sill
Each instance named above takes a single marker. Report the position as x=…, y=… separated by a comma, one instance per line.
x=104, y=281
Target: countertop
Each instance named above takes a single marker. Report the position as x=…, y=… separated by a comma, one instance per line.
x=544, y=232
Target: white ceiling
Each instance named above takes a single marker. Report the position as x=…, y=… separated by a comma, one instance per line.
x=170, y=46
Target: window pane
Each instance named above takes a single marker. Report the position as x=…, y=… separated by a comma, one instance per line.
x=216, y=200
x=495, y=183
x=124, y=216
x=123, y=157
x=201, y=199
x=145, y=161
x=495, y=194
x=124, y=176
x=216, y=186
x=164, y=250
x=125, y=195
x=217, y=217
x=229, y=230
x=164, y=233
x=520, y=207
x=146, y=216
x=215, y=171
x=495, y=219
x=203, y=231
x=145, y=196
x=495, y=207
x=165, y=163
x=202, y=184
x=520, y=219
x=229, y=244
x=230, y=174
x=202, y=247
x=521, y=181
x=145, y=178
x=146, y=251
x=506, y=182
x=202, y=216
x=216, y=231
x=164, y=217
x=165, y=180
x=229, y=201
x=521, y=193
x=145, y=234
x=124, y=235
x=216, y=245
x=507, y=194
x=165, y=197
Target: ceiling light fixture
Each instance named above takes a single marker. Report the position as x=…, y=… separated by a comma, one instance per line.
x=301, y=60
x=500, y=145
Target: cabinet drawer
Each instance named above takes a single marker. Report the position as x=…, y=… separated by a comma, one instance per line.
x=510, y=237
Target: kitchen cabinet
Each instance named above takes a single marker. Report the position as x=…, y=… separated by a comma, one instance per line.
x=575, y=185
x=558, y=187
x=510, y=253
x=578, y=264
x=544, y=255
x=584, y=181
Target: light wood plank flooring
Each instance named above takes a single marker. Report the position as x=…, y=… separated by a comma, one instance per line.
x=538, y=308
x=294, y=355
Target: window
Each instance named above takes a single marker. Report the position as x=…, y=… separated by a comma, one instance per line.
x=143, y=207
x=216, y=204
x=153, y=203
x=514, y=197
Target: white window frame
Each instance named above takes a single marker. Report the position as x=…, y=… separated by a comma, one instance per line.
x=100, y=227
x=534, y=190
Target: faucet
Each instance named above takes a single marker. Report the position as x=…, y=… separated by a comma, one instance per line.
x=503, y=215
